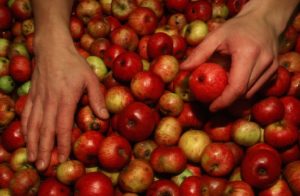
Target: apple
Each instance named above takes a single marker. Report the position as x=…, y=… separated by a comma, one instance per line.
x=260, y=169
x=4, y=47
x=294, y=89
x=126, y=66
x=170, y=104
x=291, y=109
x=86, y=147
x=176, y=5
x=7, y=84
x=167, y=29
x=98, y=27
x=296, y=22
x=51, y=186
x=18, y=160
x=290, y=154
x=179, y=85
x=86, y=41
x=6, y=174
x=111, y=53
x=147, y=87
x=21, y=9
x=291, y=173
x=155, y=5
x=106, y=6
x=50, y=171
x=288, y=40
x=117, y=98
x=237, y=151
x=143, y=149
x=114, y=152
x=219, y=127
x=29, y=43
x=70, y=171
x=76, y=27
x=177, y=20
x=126, y=37
x=279, y=188
x=85, y=10
x=98, y=47
x=94, y=183
x=5, y=17
x=20, y=68
x=217, y=159
x=193, y=143
x=16, y=28
x=25, y=182
x=207, y=82
x=4, y=154
x=192, y=186
x=121, y=9
x=213, y=185
x=214, y=23
x=27, y=27
x=7, y=111
x=198, y=10
x=268, y=110
x=290, y=60
x=236, y=188
x=113, y=22
x=235, y=6
x=143, y=46
x=98, y=66
x=17, y=49
x=220, y=10
x=281, y=134
x=12, y=138
x=109, y=81
x=163, y=187
x=165, y=66
x=136, y=177
x=159, y=44
x=20, y=104
x=135, y=122
x=179, y=47
x=5, y=192
x=86, y=120
x=143, y=20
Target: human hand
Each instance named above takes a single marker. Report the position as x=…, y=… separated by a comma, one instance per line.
x=60, y=77
x=252, y=43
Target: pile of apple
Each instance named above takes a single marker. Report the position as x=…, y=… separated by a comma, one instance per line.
x=160, y=138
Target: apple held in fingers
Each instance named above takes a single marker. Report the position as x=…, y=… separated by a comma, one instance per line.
x=207, y=82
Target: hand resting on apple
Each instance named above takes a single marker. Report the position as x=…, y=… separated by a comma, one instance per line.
x=251, y=39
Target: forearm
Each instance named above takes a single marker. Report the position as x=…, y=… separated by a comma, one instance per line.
x=52, y=21
x=276, y=12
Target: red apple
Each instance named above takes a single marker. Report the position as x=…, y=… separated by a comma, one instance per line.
x=136, y=177
x=163, y=187
x=290, y=60
x=192, y=186
x=235, y=6
x=294, y=89
x=121, y=9
x=198, y=10
x=5, y=17
x=20, y=104
x=112, y=52
x=12, y=137
x=76, y=27
x=207, y=82
x=20, y=68
x=143, y=46
x=176, y=5
x=6, y=174
x=126, y=37
x=136, y=122
x=143, y=149
x=279, y=188
x=98, y=27
x=25, y=182
x=147, y=87
x=86, y=147
x=114, y=152
x=291, y=173
x=290, y=154
x=21, y=9
x=7, y=112
x=170, y=104
x=179, y=47
x=70, y=171
x=237, y=151
x=53, y=187
x=268, y=110
x=291, y=109
x=94, y=183
x=126, y=66
x=236, y=188
x=143, y=20
x=159, y=44
x=87, y=9
x=99, y=46
x=50, y=171
x=155, y=5
x=288, y=40
x=4, y=154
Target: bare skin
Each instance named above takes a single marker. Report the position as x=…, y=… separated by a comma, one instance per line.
x=61, y=75
x=251, y=40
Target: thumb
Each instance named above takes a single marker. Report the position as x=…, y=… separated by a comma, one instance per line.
x=96, y=99
x=201, y=53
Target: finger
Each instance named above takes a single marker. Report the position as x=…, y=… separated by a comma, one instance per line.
x=47, y=133
x=242, y=65
x=263, y=63
x=96, y=99
x=264, y=78
x=33, y=127
x=64, y=124
x=202, y=52
x=25, y=116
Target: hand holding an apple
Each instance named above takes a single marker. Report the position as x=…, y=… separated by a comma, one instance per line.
x=252, y=43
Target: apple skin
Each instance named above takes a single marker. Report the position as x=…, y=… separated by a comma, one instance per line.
x=112, y=52
x=126, y=66
x=235, y=6
x=6, y=174
x=126, y=37
x=168, y=159
x=85, y=10
x=176, y=5
x=159, y=44
x=217, y=159
x=290, y=154
x=237, y=151
x=86, y=147
x=279, y=188
x=50, y=171
x=207, y=82
x=135, y=122
x=114, y=152
x=288, y=40
x=236, y=188
x=179, y=47
x=177, y=20
x=76, y=27
x=294, y=89
x=21, y=9
x=98, y=27
x=12, y=137
x=157, y=6
x=4, y=66
x=192, y=186
x=198, y=10
x=143, y=149
x=25, y=182
x=52, y=187
x=291, y=173
x=291, y=109
x=143, y=20
x=260, y=169
x=147, y=87
x=94, y=183
x=179, y=85
x=170, y=104
x=194, y=32
x=136, y=177
x=290, y=60
x=20, y=68
x=98, y=47
x=163, y=187
x=4, y=154
x=5, y=17
x=281, y=134
x=121, y=9
x=70, y=171
x=7, y=111
x=86, y=41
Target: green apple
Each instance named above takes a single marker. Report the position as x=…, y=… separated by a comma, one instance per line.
x=98, y=66
x=7, y=84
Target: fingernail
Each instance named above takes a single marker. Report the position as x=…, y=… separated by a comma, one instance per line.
x=40, y=165
x=61, y=158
